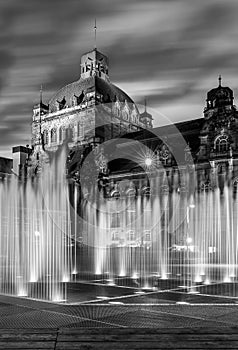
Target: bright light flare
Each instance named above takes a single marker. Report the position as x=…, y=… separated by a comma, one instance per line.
x=148, y=161
x=33, y=279
x=65, y=278
x=22, y=293
x=98, y=271
x=198, y=279
x=164, y=276
x=122, y=273
x=227, y=279
x=135, y=275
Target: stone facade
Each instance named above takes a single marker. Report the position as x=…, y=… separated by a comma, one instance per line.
x=208, y=145
x=89, y=110
x=92, y=110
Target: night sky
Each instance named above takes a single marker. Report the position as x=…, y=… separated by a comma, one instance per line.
x=170, y=51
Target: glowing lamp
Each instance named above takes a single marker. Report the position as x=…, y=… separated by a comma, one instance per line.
x=148, y=161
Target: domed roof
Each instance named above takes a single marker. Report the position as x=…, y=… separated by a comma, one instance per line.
x=109, y=92
x=220, y=96
x=220, y=92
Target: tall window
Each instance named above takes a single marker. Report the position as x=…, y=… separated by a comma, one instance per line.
x=221, y=143
x=70, y=132
x=130, y=235
x=80, y=129
x=53, y=135
x=115, y=236
x=115, y=220
x=46, y=137
x=61, y=137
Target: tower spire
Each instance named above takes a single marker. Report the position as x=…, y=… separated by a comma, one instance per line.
x=145, y=105
x=95, y=34
x=41, y=92
x=219, y=79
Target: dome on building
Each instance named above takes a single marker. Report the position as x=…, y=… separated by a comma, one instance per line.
x=73, y=102
x=220, y=96
x=102, y=89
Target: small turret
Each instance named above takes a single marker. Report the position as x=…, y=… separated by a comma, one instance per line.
x=146, y=118
x=94, y=63
x=39, y=110
x=218, y=98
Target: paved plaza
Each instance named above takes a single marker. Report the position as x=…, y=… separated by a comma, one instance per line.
x=108, y=317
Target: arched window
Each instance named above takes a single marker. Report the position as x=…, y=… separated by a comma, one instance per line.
x=53, y=135
x=205, y=186
x=131, y=192
x=221, y=143
x=61, y=134
x=70, y=132
x=145, y=191
x=46, y=137
x=80, y=129
x=115, y=194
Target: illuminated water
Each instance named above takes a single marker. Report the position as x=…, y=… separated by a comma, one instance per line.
x=179, y=234
x=137, y=239
x=35, y=242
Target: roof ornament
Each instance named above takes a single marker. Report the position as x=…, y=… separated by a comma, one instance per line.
x=219, y=79
x=41, y=92
x=95, y=34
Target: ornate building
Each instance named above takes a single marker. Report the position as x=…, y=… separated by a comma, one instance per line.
x=189, y=156
x=136, y=186
x=90, y=110
x=210, y=143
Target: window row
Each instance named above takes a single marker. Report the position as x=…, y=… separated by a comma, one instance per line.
x=60, y=134
x=131, y=236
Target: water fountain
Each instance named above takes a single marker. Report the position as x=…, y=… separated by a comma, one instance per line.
x=36, y=252
x=168, y=234
x=161, y=234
